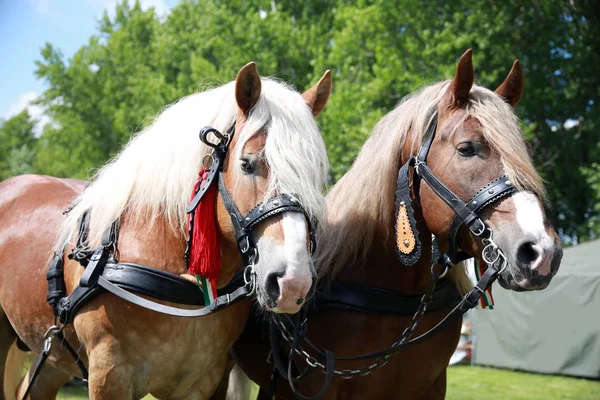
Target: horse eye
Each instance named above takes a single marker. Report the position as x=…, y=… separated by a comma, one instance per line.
x=247, y=166
x=466, y=149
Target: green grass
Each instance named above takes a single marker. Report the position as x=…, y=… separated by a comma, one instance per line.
x=479, y=383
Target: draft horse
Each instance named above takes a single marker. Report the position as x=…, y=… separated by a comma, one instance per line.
x=449, y=163
x=129, y=226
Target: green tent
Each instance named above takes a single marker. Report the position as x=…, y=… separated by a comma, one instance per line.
x=554, y=331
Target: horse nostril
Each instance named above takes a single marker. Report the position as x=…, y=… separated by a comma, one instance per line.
x=527, y=253
x=272, y=286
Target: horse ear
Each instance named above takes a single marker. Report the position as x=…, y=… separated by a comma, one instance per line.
x=511, y=89
x=316, y=97
x=247, y=87
x=458, y=91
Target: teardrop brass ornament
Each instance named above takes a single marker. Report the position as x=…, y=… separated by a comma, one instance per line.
x=405, y=238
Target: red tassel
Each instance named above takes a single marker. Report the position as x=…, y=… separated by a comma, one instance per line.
x=205, y=254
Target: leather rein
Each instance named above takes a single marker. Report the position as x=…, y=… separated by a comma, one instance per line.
x=103, y=272
x=293, y=329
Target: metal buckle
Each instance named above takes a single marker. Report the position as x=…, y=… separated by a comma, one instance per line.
x=417, y=163
x=244, y=244
x=480, y=232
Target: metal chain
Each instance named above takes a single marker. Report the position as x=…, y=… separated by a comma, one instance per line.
x=379, y=362
x=491, y=255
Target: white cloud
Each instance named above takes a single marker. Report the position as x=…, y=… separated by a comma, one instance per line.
x=47, y=8
x=160, y=7
x=36, y=112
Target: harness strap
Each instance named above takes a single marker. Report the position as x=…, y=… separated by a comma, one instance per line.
x=493, y=191
x=100, y=256
x=220, y=302
x=53, y=332
x=378, y=301
x=467, y=216
x=144, y=280
x=468, y=302
x=37, y=367
x=56, y=283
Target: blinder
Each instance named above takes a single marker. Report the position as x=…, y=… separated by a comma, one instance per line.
x=466, y=213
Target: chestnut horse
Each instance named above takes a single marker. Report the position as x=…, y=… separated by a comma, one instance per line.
x=477, y=140
x=130, y=351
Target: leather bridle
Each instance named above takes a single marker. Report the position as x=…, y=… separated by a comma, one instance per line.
x=242, y=225
x=466, y=213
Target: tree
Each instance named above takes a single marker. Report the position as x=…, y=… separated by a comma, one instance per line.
x=17, y=142
x=378, y=51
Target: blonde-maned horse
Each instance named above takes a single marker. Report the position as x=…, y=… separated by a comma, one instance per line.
x=130, y=351
x=477, y=145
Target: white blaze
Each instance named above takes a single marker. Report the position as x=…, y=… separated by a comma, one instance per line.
x=294, y=242
x=530, y=217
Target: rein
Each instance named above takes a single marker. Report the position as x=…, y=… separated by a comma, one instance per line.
x=466, y=214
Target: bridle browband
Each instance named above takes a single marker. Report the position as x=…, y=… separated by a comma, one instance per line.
x=467, y=213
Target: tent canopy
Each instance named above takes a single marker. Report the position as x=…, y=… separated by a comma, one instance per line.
x=555, y=330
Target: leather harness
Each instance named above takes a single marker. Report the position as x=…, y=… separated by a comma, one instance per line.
x=103, y=272
x=372, y=300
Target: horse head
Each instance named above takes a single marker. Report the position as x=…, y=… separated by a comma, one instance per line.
x=276, y=150
x=477, y=144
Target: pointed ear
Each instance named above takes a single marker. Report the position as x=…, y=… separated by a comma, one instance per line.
x=511, y=89
x=247, y=87
x=458, y=91
x=316, y=97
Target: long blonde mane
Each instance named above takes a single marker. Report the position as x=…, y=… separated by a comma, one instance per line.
x=154, y=174
x=361, y=205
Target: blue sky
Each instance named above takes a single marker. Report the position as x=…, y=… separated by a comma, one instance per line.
x=26, y=25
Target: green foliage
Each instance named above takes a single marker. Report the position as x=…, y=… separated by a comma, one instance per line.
x=378, y=51
x=17, y=142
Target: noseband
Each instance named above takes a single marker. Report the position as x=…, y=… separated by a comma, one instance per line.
x=466, y=213
x=243, y=225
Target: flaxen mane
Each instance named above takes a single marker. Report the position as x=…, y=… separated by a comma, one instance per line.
x=155, y=173
x=362, y=202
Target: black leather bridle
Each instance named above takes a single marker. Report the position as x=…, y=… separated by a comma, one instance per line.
x=465, y=213
x=293, y=330
x=242, y=225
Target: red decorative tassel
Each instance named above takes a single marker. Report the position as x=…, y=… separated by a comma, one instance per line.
x=205, y=254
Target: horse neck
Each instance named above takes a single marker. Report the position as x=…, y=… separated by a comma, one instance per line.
x=157, y=246
x=382, y=269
